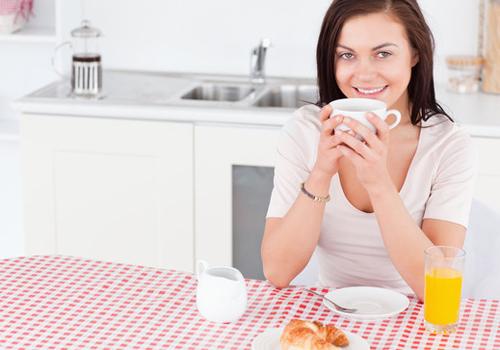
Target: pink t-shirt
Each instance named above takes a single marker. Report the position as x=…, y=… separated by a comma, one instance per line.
x=351, y=251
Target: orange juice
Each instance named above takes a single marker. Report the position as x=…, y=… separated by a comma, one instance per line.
x=443, y=287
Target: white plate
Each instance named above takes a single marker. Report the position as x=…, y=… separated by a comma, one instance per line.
x=270, y=340
x=371, y=302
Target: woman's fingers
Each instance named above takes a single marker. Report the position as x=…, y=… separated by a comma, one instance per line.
x=325, y=112
x=369, y=137
x=330, y=125
x=333, y=141
x=355, y=158
x=327, y=123
x=360, y=147
x=381, y=126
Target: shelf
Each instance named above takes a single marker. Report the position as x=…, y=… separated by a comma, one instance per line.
x=9, y=130
x=31, y=35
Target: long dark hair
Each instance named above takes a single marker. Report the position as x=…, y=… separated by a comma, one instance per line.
x=421, y=87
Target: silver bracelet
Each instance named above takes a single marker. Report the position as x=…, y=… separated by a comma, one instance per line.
x=312, y=196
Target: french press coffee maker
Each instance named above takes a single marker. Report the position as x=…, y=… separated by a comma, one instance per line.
x=86, y=69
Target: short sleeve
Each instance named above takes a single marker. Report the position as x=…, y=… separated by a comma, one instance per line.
x=453, y=186
x=295, y=156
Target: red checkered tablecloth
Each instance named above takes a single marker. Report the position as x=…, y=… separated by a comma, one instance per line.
x=58, y=302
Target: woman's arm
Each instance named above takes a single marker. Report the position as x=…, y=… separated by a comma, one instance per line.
x=289, y=242
x=403, y=239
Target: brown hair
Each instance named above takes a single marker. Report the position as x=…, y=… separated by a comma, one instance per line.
x=421, y=87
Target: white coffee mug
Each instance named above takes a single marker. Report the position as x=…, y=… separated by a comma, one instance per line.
x=356, y=108
x=221, y=295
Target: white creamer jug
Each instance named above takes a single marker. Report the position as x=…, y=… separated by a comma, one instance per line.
x=221, y=295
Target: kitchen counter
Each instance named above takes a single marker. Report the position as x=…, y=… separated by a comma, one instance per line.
x=156, y=96
x=479, y=113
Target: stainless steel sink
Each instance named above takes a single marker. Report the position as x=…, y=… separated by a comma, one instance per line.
x=219, y=92
x=288, y=96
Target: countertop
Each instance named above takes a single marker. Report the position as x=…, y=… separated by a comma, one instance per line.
x=156, y=96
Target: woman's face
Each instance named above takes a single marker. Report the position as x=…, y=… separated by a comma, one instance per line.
x=374, y=59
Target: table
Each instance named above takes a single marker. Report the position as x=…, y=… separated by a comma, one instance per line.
x=57, y=302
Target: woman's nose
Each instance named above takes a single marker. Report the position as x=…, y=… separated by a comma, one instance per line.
x=365, y=70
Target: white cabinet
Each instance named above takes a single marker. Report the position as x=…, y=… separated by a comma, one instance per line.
x=161, y=193
x=488, y=179
x=219, y=151
x=117, y=190
x=10, y=199
x=142, y=192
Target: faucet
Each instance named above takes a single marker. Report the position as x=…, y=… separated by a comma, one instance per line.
x=257, y=61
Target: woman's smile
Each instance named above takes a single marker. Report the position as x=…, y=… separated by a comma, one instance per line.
x=369, y=92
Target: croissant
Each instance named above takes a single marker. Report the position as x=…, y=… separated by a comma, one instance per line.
x=306, y=335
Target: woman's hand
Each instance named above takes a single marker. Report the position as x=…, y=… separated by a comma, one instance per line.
x=369, y=157
x=328, y=152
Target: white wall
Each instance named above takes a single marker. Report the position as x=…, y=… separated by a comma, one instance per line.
x=216, y=36
x=454, y=24
x=208, y=36
x=23, y=68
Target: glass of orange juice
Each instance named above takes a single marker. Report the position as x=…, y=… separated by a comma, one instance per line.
x=444, y=268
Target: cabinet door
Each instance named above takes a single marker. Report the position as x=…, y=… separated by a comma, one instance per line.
x=488, y=180
x=10, y=200
x=233, y=182
x=118, y=190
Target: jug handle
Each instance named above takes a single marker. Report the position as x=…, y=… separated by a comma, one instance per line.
x=53, y=58
x=201, y=265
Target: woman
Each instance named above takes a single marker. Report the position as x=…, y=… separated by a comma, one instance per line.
x=393, y=195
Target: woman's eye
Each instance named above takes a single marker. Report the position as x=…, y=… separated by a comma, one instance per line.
x=383, y=54
x=346, y=56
